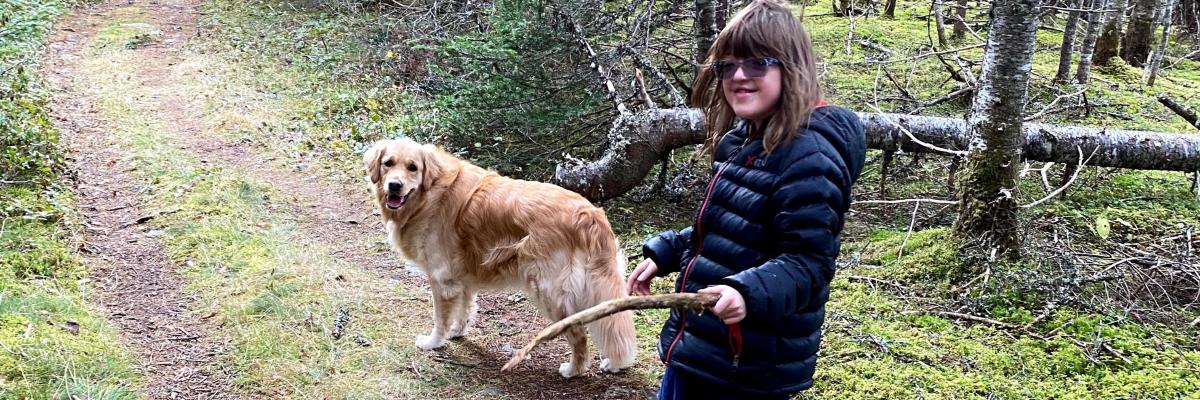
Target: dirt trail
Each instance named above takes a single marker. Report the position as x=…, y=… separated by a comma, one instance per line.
x=147, y=301
x=135, y=280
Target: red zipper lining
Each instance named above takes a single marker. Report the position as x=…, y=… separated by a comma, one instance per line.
x=699, y=247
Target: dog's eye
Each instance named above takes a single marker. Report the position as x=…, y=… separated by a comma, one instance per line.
x=412, y=167
x=389, y=163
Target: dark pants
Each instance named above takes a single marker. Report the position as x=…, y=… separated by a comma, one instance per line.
x=678, y=385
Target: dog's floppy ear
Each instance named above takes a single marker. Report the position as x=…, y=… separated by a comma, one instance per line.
x=371, y=160
x=434, y=165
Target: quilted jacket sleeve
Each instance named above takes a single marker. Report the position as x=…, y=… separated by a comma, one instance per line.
x=666, y=249
x=810, y=201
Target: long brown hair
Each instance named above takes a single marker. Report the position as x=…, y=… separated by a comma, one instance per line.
x=765, y=28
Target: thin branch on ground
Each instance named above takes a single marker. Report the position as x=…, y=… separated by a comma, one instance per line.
x=1074, y=175
x=1050, y=107
x=902, y=201
x=911, y=223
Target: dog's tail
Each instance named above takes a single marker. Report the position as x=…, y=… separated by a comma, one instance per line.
x=615, y=335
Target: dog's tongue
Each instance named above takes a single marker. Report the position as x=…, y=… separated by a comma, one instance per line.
x=394, y=201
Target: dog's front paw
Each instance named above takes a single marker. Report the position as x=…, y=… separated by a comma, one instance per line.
x=429, y=342
x=570, y=371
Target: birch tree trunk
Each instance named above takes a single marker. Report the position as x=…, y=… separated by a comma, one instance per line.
x=1135, y=46
x=1110, y=36
x=642, y=138
x=1068, y=45
x=1150, y=72
x=987, y=211
x=1095, y=20
x=940, y=21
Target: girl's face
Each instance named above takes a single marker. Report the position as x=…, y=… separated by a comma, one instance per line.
x=752, y=95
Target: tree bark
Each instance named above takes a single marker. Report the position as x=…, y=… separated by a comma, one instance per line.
x=987, y=211
x=1110, y=36
x=960, y=23
x=705, y=28
x=1068, y=45
x=1095, y=20
x=1135, y=46
x=889, y=10
x=722, y=14
x=1150, y=72
x=639, y=141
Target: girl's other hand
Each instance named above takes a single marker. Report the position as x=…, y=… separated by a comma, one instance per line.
x=639, y=280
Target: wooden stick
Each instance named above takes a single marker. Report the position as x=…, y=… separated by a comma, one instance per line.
x=692, y=301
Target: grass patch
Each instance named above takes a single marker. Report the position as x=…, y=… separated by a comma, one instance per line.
x=53, y=344
x=43, y=293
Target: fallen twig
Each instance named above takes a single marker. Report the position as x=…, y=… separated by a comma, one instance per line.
x=1050, y=107
x=1187, y=114
x=1082, y=162
x=920, y=56
x=875, y=280
x=693, y=301
x=967, y=317
x=904, y=201
x=912, y=222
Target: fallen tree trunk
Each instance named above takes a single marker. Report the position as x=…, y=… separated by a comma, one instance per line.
x=639, y=140
x=691, y=301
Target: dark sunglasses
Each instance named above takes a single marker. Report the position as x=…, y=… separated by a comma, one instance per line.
x=751, y=67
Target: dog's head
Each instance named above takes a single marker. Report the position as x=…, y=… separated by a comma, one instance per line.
x=401, y=169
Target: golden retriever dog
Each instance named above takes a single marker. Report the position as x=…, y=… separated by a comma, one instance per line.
x=470, y=229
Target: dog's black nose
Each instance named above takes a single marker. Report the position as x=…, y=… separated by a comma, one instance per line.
x=395, y=186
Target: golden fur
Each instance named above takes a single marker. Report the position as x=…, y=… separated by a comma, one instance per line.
x=469, y=229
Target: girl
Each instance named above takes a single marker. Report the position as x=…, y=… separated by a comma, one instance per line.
x=766, y=234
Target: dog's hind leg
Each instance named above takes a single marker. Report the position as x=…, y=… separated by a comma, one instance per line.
x=577, y=339
x=576, y=336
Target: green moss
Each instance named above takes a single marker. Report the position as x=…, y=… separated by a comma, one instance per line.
x=927, y=256
x=874, y=350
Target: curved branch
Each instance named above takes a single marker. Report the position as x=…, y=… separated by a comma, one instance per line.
x=694, y=301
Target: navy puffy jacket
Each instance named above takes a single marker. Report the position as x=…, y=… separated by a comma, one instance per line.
x=769, y=227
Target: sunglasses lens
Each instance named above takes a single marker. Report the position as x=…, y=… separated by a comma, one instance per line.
x=724, y=70
x=752, y=68
x=755, y=68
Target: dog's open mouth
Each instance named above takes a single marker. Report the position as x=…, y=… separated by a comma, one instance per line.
x=395, y=201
